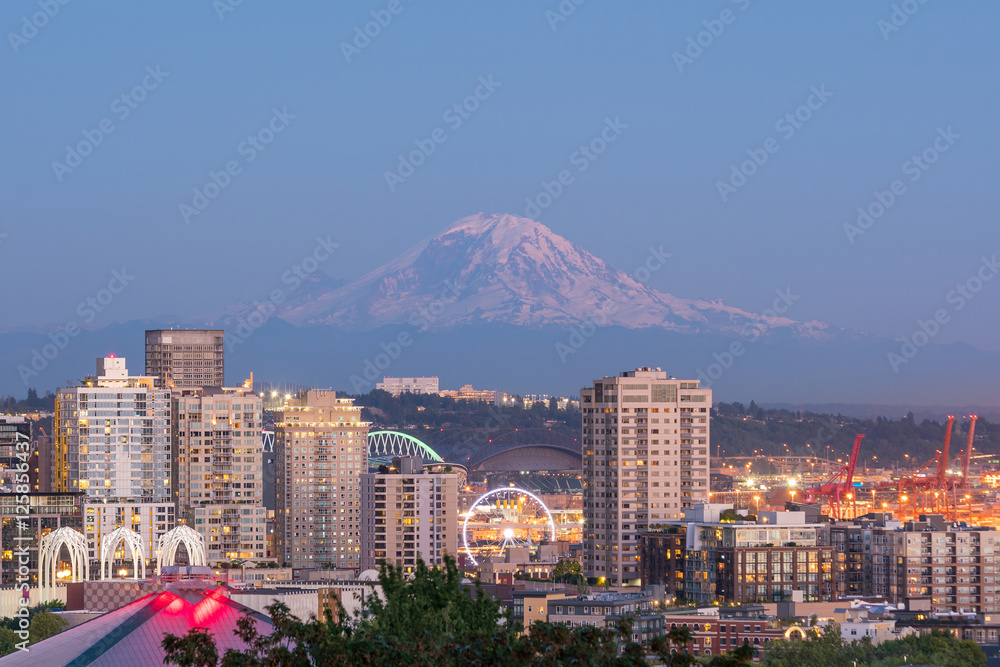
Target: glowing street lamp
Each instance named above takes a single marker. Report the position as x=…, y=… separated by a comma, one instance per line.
x=757, y=500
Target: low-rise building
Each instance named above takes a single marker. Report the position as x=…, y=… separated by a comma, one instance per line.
x=467, y=393
x=731, y=559
x=45, y=512
x=858, y=624
x=602, y=610
x=712, y=634
x=953, y=565
x=412, y=385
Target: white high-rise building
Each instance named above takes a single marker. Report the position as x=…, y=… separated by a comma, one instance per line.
x=645, y=457
x=113, y=437
x=112, y=442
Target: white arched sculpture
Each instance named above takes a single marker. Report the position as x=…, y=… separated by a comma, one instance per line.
x=193, y=541
x=130, y=539
x=48, y=559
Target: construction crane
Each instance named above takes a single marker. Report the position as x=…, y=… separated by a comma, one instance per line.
x=914, y=489
x=841, y=485
x=967, y=452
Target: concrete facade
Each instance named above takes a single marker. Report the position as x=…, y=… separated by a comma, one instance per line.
x=112, y=437
x=646, y=458
x=321, y=451
x=219, y=472
x=186, y=358
x=408, y=514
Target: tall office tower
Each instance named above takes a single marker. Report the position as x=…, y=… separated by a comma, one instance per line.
x=219, y=477
x=408, y=514
x=112, y=442
x=321, y=448
x=645, y=458
x=186, y=358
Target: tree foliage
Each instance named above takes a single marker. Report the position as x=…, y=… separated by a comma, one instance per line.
x=42, y=624
x=827, y=649
x=738, y=430
x=425, y=619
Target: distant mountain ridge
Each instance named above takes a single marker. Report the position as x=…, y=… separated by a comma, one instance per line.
x=498, y=269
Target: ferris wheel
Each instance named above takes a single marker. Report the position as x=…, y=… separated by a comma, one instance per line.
x=506, y=518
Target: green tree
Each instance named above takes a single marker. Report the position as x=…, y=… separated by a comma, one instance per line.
x=428, y=620
x=196, y=649
x=568, y=571
x=8, y=641
x=673, y=648
x=45, y=624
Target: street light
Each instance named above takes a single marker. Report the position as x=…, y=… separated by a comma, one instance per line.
x=757, y=500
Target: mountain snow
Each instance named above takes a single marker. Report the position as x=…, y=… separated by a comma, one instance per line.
x=491, y=268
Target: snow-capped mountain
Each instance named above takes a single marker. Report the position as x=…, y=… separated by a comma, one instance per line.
x=490, y=268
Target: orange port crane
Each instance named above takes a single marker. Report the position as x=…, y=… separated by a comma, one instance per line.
x=841, y=485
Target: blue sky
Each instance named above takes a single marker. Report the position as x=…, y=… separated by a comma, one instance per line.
x=891, y=92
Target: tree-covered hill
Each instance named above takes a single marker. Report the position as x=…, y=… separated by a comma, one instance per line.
x=738, y=430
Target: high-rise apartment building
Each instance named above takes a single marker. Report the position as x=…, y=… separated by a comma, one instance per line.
x=645, y=457
x=321, y=448
x=112, y=442
x=219, y=472
x=186, y=358
x=112, y=437
x=408, y=514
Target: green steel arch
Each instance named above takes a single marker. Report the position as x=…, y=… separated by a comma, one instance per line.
x=386, y=444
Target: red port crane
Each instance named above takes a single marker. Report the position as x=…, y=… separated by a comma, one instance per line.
x=938, y=483
x=841, y=485
x=967, y=453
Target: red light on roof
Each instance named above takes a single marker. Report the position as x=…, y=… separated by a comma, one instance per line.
x=111, y=356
